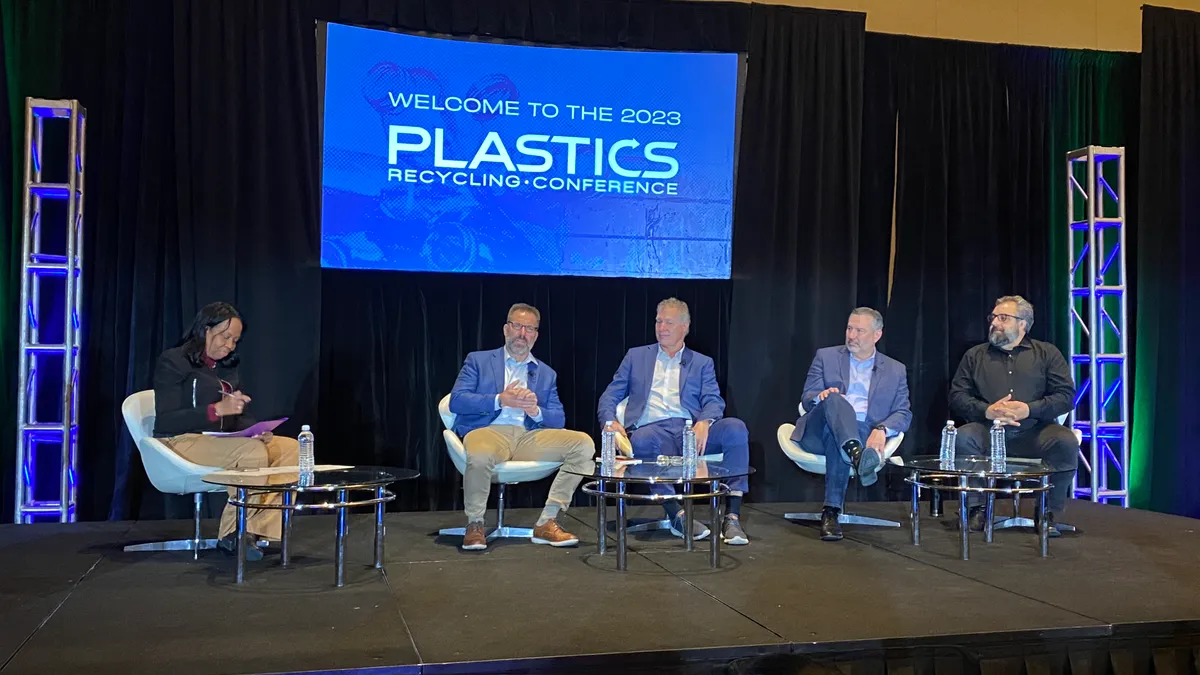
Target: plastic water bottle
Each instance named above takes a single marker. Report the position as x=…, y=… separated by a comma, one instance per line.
x=949, y=439
x=689, y=446
x=999, y=447
x=308, y=444
x=608, y=449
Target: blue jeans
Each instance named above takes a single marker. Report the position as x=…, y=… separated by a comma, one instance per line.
x=727, y=435
x=827, y=428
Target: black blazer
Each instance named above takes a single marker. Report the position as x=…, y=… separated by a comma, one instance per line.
x=183, y=392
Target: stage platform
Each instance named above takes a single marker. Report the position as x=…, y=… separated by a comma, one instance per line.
x=1120, y=597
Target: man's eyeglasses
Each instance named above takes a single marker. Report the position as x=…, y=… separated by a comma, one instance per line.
x=517, y=327
x=1004, y=318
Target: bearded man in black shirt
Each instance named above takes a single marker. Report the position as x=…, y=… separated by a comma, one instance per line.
x=1027, y=385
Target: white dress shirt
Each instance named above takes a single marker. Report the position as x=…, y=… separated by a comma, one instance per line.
x=515, y=371
x=663, y=401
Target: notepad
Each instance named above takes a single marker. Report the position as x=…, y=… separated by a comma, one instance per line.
x=249, y=432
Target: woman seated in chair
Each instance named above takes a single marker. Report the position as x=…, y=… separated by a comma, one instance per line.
x=197, y=389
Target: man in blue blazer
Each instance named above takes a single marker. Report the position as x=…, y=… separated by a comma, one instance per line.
x=667, y=384
x=508, y=408
x=855, y=398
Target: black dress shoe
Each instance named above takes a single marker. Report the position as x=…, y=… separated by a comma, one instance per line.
x=854, y=452
x=831, y=529
x=228, y=544
x=1052, y=531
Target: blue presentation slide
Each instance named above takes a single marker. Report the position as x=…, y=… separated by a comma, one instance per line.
x=460, y=156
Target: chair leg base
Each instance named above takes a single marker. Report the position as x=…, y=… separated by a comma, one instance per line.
x=641, y=525
x=845, y=519
x=497, y=533
x=1003, y=523
x=175, y=545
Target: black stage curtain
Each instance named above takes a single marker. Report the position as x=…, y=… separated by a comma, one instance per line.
x=202, y=184
x=796, y=226
x=392, y=344
x=1164, y=468
x=971, y=138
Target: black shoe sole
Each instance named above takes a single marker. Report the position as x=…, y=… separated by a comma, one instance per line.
x=831, y=537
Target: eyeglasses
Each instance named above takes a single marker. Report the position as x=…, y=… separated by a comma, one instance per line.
x=1004, y=318
x=517, y=327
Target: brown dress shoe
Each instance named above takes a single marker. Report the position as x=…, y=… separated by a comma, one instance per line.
x=551, y=533
x=475, y=539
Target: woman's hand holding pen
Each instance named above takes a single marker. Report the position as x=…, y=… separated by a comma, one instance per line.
x=232, y=404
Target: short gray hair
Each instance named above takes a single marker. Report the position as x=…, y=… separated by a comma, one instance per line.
x=522, y=307
x=678, y=304
x=1024, y=308
x=876, y=317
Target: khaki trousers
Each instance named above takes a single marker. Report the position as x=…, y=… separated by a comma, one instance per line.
x=242, y=453
x=491, y=445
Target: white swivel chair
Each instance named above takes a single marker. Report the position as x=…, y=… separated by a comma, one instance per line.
x=506, y=473
x=167, y=471
x=815, y=463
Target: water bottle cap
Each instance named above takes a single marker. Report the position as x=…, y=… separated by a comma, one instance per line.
x=305, y=428
x=949, y=423
x=608, y=424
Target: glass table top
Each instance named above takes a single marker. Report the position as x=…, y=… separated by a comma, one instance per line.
x=326, y=478
x=651, y=472
x=1014, y=467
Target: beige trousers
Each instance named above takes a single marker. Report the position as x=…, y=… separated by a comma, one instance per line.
x=242, y=453
x=491, y=445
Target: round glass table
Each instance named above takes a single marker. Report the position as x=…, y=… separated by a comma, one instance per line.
x=707, y=481
x=327, y=480
x=978, y=474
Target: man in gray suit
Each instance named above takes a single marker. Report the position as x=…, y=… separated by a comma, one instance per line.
x=852, y=393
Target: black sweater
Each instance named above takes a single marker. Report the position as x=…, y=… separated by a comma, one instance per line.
x=183, y=391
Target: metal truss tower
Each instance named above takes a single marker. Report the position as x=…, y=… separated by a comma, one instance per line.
x=51, y=280
x=1099, y=342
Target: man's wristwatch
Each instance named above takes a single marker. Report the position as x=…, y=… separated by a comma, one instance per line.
x=880, y=427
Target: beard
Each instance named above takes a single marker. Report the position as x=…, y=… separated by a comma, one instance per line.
x=1000, y=337
x=517, y=346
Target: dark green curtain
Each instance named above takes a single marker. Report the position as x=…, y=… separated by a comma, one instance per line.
x=1093, y=101
x=1165, y=466
x=26, y=59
